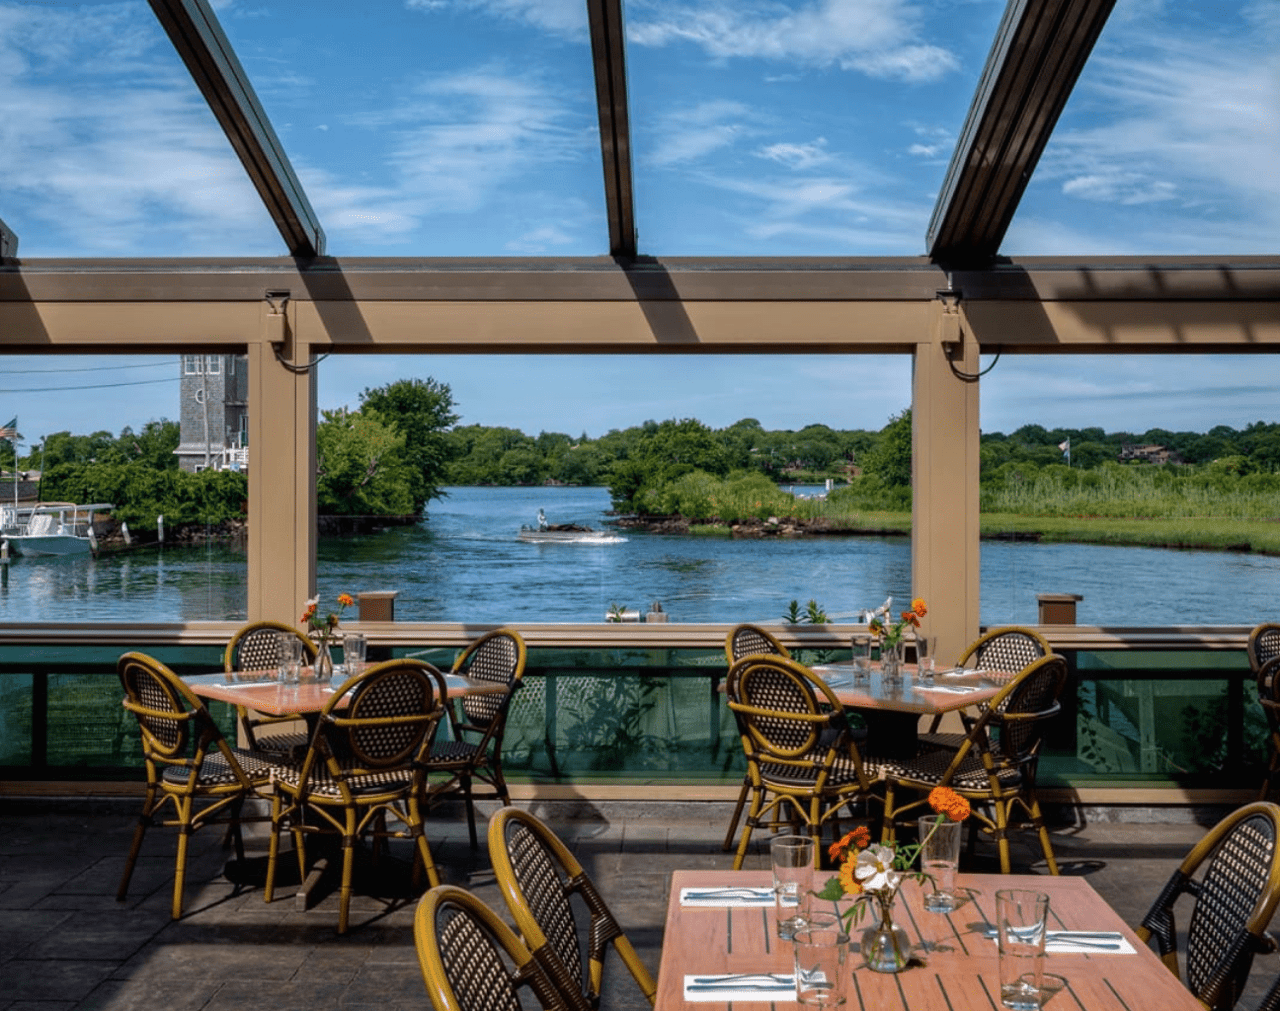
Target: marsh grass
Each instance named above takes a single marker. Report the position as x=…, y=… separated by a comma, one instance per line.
x=1107, y=505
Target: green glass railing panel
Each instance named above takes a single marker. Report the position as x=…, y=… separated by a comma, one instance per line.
x=15, y=719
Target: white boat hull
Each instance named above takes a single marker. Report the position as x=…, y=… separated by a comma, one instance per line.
x=569, y=537
x=49, y=544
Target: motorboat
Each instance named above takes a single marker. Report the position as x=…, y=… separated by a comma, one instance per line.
x=565, y=533
x=50, y=528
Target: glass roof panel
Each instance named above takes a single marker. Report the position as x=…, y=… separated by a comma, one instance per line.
x=107, y=147
x=804, y=127
x=1168, y=143
x=434, y=128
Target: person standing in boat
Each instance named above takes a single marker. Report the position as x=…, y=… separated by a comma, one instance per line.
x=542, y=520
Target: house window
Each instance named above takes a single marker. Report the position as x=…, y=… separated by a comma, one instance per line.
x=213, y=364
x=192, y=365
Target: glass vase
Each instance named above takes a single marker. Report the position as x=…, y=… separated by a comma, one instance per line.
x=324, y=662
x=885, y=946
x=891, y=663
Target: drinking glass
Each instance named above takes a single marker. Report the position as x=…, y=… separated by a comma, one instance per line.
x=290, y=653
x=861, y=648
x=939, y=857
x=792, y=858
x=1021, y=918
x=353, y=653
x=822, y=950
x=926, y=657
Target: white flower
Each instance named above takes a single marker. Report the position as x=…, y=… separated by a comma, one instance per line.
x=875, y=869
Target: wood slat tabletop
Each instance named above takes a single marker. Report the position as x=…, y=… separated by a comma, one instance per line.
x=261, y=692
x=954, y=963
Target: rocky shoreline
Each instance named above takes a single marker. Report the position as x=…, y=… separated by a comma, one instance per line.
x=774, y=526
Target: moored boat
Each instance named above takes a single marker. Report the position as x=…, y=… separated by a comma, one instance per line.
x=565, y=533
x=50, y=528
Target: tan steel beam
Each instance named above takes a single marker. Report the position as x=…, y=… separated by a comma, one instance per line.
x=194, y=30
x=608, y=54
x=1039, y=50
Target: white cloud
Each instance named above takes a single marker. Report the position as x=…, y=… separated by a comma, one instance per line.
x=561, y=17
x=880, y=38
x=797, y=156
x=1120, y=187
x=691, y=133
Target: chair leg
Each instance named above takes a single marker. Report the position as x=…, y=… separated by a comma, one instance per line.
x=273, y=848
x=1037, y=819
x=464, y=780
x=184, y=805
x=348, y=871
x=737, y=815
x=757, y=804
x=144, y=822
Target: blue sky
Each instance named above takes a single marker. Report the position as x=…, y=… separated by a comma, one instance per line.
x=808, y=127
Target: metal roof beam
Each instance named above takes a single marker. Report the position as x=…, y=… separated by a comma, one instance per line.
x=1038, y=53
x=195, y=33
x=608, y=55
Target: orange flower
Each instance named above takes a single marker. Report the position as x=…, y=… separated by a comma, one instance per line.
x=346, y=600
x=910, y=618
x=309, y=613
x=861, y=837
x=848, y=876
x=918, y=606
x=858, y=839
x=945, y=800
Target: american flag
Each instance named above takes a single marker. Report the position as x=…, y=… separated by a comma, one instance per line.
x=10, y=431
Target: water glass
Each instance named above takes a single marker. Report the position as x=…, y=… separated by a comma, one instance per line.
x=861, y=648
x=290, y=653
x=939, y=857
x=792, y=858
x=1021, y=919
x=353, y=653
x=822, y=951
x=926, y=657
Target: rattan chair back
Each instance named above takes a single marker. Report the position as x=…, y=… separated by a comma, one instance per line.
x=1234, y=875
x=187, y=760
x=1263, y=645
x=1269, y=699
x=498, y=657
x=256, y=646
x=538, y=877
x=471, y=960
x=750, y=640
x=1006, y=649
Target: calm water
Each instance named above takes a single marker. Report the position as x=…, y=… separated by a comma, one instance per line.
x=465, y=564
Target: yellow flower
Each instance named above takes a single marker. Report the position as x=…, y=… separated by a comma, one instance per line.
x=848, y=876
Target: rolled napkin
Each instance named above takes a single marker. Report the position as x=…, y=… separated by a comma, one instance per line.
x=727, y=895
x=740, y=988
x=1083, y=942
x=949, y=689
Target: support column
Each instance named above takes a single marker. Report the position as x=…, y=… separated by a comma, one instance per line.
x=944, y=474
x=282, y=469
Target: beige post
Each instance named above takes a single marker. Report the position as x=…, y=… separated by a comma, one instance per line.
x=944, y=465
x=282, y=499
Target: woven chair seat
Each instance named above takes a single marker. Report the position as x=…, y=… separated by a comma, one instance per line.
x=321, y=784
x=216, y=771
x=949, y=741
x=451, y=753
x=843, y=773
x=931, y=767
x=288, y=746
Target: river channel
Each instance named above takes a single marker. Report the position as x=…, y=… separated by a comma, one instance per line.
x=464, y=563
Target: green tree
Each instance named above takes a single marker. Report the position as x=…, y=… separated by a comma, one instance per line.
x=361, y=467
x=890, y=458
x=421, y=411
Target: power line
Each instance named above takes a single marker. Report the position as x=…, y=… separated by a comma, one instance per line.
x=95, y=386
x=90, y=368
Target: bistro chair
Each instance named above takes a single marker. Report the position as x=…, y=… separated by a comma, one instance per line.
x=803, y=760
x=364, y=764
x=256, y=646
x=1233, y=874
x=190, y=766
x=995, y=765
x=746, y=640
x=471, y=960
x=1269, y=699
x=538, y=877
x=1001, y=649
x=1263, y=645
x=497, y=657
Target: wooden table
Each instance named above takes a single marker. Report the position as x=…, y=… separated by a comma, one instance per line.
x=261, y=692
x=954, y=966
x=892, y=711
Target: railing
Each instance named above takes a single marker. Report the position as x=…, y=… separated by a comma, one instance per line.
x=1159, y=714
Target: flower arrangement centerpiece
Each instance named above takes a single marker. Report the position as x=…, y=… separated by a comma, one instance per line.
x=321, y=628
x=890, y=633
x=871, y=873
